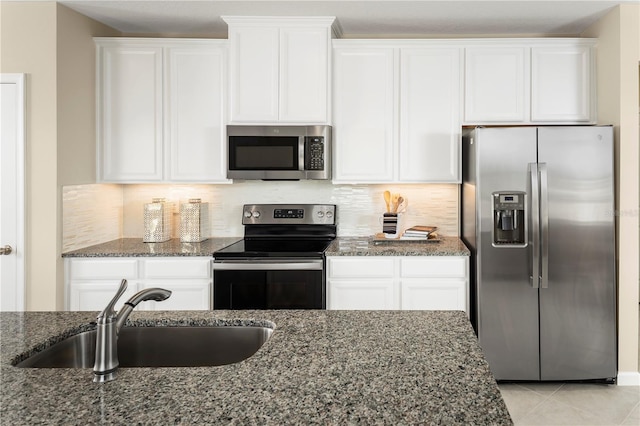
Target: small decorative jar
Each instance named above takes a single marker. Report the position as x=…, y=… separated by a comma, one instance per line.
x=157, y=221
x=194, y=221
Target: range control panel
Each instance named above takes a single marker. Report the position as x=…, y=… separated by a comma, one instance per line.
x=270, y=214
x=288, y=213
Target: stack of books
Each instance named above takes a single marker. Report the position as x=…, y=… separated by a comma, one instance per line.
x=418, y=233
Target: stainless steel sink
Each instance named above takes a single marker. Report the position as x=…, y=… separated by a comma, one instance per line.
x=158, y=347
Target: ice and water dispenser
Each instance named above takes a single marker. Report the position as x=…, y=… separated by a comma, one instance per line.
x=508, y=219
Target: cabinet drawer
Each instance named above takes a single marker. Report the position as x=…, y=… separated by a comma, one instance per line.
x=199, y=267
x=103, y=269
x=350, y=267
x=433, y=267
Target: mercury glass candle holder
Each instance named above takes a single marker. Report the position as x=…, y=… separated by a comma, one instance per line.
x=157, y=221
x=194, y=221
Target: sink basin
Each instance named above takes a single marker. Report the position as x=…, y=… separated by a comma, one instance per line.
x=158, y=347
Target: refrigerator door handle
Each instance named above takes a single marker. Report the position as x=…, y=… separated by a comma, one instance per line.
x=535, y=225
x=544, y=226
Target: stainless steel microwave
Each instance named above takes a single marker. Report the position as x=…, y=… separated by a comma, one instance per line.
x=279, y=152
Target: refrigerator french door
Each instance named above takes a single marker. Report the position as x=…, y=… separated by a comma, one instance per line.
x=538, y=217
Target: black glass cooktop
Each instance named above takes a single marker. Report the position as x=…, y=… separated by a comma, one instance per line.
x=274, y=248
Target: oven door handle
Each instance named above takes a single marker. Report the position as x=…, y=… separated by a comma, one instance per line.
x=276, y=265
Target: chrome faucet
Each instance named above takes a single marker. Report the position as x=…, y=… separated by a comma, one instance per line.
x=109, y=325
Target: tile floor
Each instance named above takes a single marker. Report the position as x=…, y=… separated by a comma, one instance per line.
x=572, y=403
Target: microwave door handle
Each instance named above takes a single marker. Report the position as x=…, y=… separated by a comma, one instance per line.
x=301, y=153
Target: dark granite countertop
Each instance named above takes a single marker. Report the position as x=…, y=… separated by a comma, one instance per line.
x=134, y=247
x=318, y=367
x=341, y=246
x=368, y=246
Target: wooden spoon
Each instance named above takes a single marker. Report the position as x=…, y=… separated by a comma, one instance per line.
x=387, y=199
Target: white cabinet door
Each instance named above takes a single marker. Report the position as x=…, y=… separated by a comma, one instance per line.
x=161, y=110
x=195, y=114
x=177, y=267
x=95, y=295
x=188, y=278
x=186, y=295
x=496, y=84
x=433, y=294
x=254, y=75
x=364, y=114
x=361, y=295
x=430, y=128
x=398, y=282
x=92, y=283
x=355, y=282
x=561, y=86
x=130, y=113
x=304, y=80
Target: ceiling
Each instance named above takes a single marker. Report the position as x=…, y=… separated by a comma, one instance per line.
x=357, y=18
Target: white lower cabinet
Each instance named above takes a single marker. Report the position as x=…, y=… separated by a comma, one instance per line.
x=398, y=282
x=91, y=283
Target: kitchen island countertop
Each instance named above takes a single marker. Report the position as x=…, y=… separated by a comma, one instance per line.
x=318, y=367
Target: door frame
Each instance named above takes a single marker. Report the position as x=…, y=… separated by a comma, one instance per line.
x=19, y=251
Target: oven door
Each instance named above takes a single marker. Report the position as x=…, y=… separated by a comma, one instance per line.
x=263, y=284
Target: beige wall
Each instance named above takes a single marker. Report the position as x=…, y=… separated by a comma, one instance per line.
x=53, y=46
x=76, y=105
x=618, y=92
x=28, y=45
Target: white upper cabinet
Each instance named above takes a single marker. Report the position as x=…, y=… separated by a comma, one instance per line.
x=561, y=84
x=430, y=101
x=396, y=112
x=304, y=74
x=497, y=79
x=195, y=127
x=254, y=55
x=530, y=81
x=161, y=110
x=364, y=114
x=279, y=69
x=129, y=112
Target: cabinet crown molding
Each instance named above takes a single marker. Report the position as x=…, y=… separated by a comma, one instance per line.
x=463, y=42
x=287, y=21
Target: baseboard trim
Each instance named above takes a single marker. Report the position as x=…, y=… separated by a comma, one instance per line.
x=628, y=378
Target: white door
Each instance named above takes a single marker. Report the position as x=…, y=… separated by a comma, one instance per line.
x=12, y=138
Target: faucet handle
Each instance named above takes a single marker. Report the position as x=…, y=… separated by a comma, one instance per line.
x=109, y=312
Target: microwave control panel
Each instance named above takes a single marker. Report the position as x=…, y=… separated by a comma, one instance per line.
x=314, y=153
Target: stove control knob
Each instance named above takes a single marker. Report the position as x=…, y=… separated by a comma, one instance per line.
x=247, y=214
x=329, y=215
x=256, y=214
x=320, y=214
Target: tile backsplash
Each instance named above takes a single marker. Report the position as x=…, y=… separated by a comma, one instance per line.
x=99, y=213
x=91, y=214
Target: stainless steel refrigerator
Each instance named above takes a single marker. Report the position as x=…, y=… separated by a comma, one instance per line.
x=538, y=217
